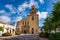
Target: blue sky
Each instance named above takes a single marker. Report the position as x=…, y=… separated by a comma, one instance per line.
x=14, y=10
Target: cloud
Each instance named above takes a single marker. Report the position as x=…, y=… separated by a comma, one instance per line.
x=10, y=7
x=5, y=19
x=22, y=7
x=25, y=5
x=2, y=11
x=42, y=14
x=33, y=2
x=17, y=19
x=41, y=1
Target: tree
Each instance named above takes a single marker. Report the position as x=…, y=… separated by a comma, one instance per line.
x=48, y=24
x=56, y=15
x=54, y=18
x=1, y=28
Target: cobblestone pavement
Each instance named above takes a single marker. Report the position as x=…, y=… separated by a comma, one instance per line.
x=1, y=39
x=25, y=37
x=44, y=38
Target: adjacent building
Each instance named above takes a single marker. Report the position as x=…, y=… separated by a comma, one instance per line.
x=7, y=27
x=29, y=25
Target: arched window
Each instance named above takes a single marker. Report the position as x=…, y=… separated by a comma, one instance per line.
x=32, y=8
x=32, y=29
x=25, y=32
x=23, y=23
x=32, y=17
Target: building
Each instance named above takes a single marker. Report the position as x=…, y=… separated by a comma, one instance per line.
x=29, y=25
x=57, y=30
x=11, y=28
x=40, y=29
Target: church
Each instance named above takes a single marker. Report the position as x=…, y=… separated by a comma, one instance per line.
x=29, y=25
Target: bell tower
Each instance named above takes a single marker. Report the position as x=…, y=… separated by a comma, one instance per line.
x=33, y=10
x=33, y=21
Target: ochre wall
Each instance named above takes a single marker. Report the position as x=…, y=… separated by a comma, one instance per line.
x=32, y=23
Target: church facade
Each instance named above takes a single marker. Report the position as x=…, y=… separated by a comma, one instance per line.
x=29, y=25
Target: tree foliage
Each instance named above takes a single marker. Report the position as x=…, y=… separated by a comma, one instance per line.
x=53, y=20
x=1, y=28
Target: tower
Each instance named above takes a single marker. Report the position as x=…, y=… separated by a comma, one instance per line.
x=33, y=21
x=33, y=10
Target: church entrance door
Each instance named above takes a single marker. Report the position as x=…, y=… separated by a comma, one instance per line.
x=32, y=30
x=25, y=32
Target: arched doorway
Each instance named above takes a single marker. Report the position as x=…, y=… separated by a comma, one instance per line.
x=10, y=30
x=25, y=32
x=32, y=30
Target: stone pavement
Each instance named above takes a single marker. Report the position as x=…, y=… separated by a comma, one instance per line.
x=44, y=38
x=1, y=39
x=6, y=37
x=25, y=37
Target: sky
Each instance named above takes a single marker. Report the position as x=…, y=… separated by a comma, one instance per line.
x=14, y=10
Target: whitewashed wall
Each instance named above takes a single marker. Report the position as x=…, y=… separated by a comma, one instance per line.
x=5, y=26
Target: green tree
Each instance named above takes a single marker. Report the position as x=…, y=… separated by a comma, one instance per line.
x=54, y=21
x=48, y=24
x=54, y=18
x=1, y=28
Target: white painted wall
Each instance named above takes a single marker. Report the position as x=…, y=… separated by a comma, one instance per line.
x=6, y=26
